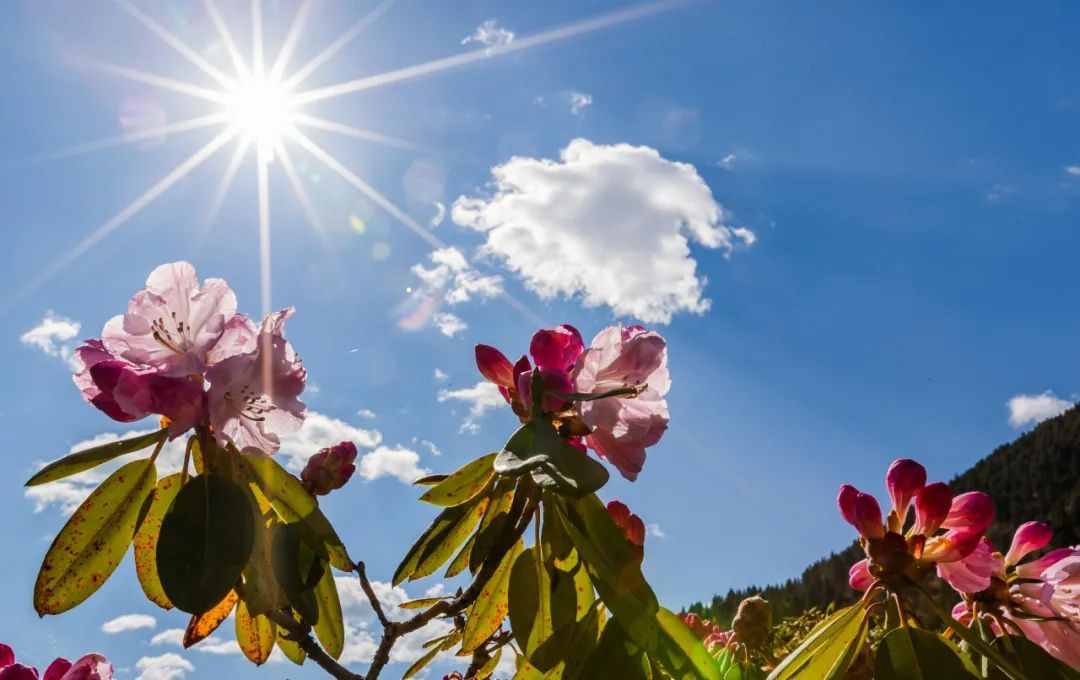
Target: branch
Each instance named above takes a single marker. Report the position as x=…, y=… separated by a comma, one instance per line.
x=301, y=635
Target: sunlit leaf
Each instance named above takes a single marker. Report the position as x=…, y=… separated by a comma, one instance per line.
x=254, y=634
x=292, y=651
x=617, y=656
x=298, y=569
x=430, y=480
x=145, y=542
x=571, y=595
x=829, y=650
x=330, y=628
x=910, y=653
x=487, y=613
x=569, y=647
x=421, y=603
x=92, y=457
x=530, y=602
x=462, y=559
x=489, y=666
x=205, y=541
x=434, y=646
x=463, y=485
x=680, y=652
x=295, y=505
x=90, y=546
x=444, y=544
x=1032, y=659
x=202, y=625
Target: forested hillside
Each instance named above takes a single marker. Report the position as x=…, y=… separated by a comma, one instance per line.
x=1035, y=477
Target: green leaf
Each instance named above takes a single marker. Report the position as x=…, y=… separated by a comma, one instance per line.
x=462, y=486
x=489, y=666
x=558, y=548
x=571, y=595
x=617, y=656
x=913, y=654
x=445, y=543
x=146, y=538
x=421, y=663
x=487, y=613
x=92, y=457
x=569, y=647
x=298, y=569
x=330, y=628
x=205, y=541
x=294, y=504
x=537, y=449
x=1032, y=659
x=829, y=650
x=421, y=603
x=530, y=602
x=680, y=652
x=612, y=566
x=291, y=649
x=254, y=634
x=461, y=560
x=90, y=546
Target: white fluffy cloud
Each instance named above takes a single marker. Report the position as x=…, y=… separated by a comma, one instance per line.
x=609, y=223
x=52, y=335
x=1031, y=409
x=481, y=397
x=449, y=324
x=1073, y=170
x=392, y=461
x=366, y=414
x=441, y=375
x=439, y=216
x=128, y=622
x=318, y=432
x=165, y=667
x=655, y=530
x=490, y=34
x=449, y=280
x=170, y=636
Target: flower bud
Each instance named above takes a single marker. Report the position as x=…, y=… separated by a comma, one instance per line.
x=861, y=511
x=57, y=671
x=753, y=622
x=89, y=667
x=904, y=479
x=845, y=500
x=1030, y=536
x=859, y=576
x=7, y=655
x=972, y=511
x=552, y=382
x=329, y=469
x=17, y=671
x=931, y=507
x=631, y=524
x=718, y=640
x=494, y=366
x=557, y=349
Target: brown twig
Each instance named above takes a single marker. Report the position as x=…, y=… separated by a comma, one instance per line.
x=301, y=635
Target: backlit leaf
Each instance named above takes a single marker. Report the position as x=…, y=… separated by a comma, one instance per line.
x=489, y=666
x=617, y=656
x=205, y=541
x=92, y=457
x=443, y=545
x=145, y=543
x=1032, y=659
x=90, y=546
x=829, y=650
x=422, y=603
x=292, y=651
x=463, y=485
x=254, y=634
x=530, y=602
x=911, y=653
x=202, y=625
x=330, y=628
x=680, y=652
x=487, y=613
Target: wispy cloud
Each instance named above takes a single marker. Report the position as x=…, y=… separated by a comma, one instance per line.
x=441, y=375
x=366, y=414
x=655, y=530
x=52, y=335
x=440, y=215
x=1073, y=170
x=1031, y=409
x=481, y=397
x=128, y=622
x=449, y=324
x=164, y=667
x=490, y=34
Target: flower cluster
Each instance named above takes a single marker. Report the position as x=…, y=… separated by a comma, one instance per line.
x=183, y=352
x=946, y=528
x=89, y=667
x=628, y=362
x=1039, y=599
x=750, y=629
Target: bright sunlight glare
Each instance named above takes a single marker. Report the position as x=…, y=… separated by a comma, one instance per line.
x=261, y=109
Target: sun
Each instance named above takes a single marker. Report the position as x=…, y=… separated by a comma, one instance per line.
x=262, y=110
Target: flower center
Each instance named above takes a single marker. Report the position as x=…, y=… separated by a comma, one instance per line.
x=250, y=404
x=171, y=333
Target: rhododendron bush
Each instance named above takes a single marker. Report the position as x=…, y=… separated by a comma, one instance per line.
x=552, y=573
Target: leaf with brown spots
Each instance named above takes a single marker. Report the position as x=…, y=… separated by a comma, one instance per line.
x=92, y=457
x=254, y=634
x=90, y=546
x=463, y=485
x=201, y=626
x=145, y=544
x=487, y=613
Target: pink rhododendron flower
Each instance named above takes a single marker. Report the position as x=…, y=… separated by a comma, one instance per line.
x=173, y=323
x=57, y=670
x=859, y=576
x=622, y=428
x=1029, y=537
x=7, y=655
x=973, y=573
x=329, y=469
x=932, y=504
x=495, y=367
x=904, y=479
x=631, y=524
x=557, y=349
x=89, y=667
x=254, y=397
x=973, y=511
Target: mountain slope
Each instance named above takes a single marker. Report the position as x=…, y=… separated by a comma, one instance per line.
x=1035, y=477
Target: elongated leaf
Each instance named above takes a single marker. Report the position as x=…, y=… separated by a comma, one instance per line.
x=202, y=625
x=205, y=541
x=485, y=671
x=828, y=651
x=530, y=602
x=292, y=651
x=146, y=538
x=298, y=569
x=463, y=485
x=421, y=603
x=430, y=480
x=681, y=653
x=330, y=628
x=572, y=595
x=421, y=663
x=617, y=656
x=462, y=559
x=294, y=504
x=569, y=647
x=92, y=457
x=443, y=546
x=487, y=613
x=254, y=634
x=90, y=546
x=1032, y=659
x=912, y=654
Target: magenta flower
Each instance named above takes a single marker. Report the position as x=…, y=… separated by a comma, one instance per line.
x=904, y=478
x=329, y=469
x=254, y=397
x=622, y=428
x=861, y=511
x=859, y=576
x=557, y=349
x=173, y=323
x=1029, y=537
x=973, y=573
x=932, y=503
x=973, y=511
x=496, y=368
x=89, y=667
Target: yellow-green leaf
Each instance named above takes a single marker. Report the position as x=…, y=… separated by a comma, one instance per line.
x=254, y=634
x=443, y=545
x=145, y=543
x=202, y=625
x=828, y=651
x=330, y=628
x=422, y=603
x=90, y=546
x=680, y=652
x=489, y=666
x=292, y=651
x=487, y=613
x=92, y=457
x=463, y=485
x=461, y=560
x=420, y=663
x=530, y=602
x=431, y=539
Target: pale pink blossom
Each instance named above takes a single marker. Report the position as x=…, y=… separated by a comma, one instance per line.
x=89, y=667
x=973, y=573
x=173, y=323
x=622, y=428
x=254, y=397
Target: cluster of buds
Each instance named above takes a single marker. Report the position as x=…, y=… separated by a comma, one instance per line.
x=329, y=469
x=946, y=528
x=1039, y=599
x=89, y=667
x=608, y=397
x=751, y=629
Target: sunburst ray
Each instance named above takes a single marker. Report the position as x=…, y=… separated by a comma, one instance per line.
x=188, y=125
x=222, y=28
x=333, y=48
x=157, y=81
x=291, y=38
x=350, y=131
x=176, y=43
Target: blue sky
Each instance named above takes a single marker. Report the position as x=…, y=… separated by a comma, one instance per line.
x=911, y=178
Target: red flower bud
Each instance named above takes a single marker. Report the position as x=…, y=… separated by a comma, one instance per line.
x=904, y=479
x=329, y=469
x=494, y=366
